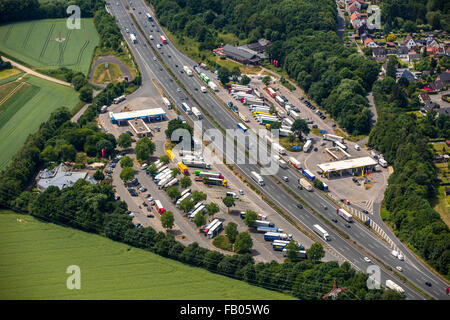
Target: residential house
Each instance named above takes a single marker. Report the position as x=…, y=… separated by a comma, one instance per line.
x=355, y=21
x=437, y=85
x=444, y=77
x=369, y=43
x=409, y=42
x=405, y=73
x=390, y=44
x=379, y=52
x=424, y=97
x=402, y=52
x=414, y=56
x=429, y=105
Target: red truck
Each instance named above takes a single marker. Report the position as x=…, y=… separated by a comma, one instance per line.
x=159, y=207
x=163, y=39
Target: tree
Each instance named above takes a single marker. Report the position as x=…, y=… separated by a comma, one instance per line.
x=212, y=208
x=152, y=169
x=86, y=94
x=175, y=172
x=392, y=67
x=243, y=243
x=231, y=231
x=291, y=138
x=318, y=184
x=144, y=148
x=78, y=81
x=250, y=218
x=187, y=205
x=173, y=192
x=98, y=175
x=391, y=37
x=127, y=174
x=245, y=80
x=198, y=196
x=315, y=252
x=199, y=219
x=228, y=202
x=126, y=162
x=164, y=159
x=167, y=220
x=185, y=182
x=291, y=250
x=223, y=75
x=300, y=126
x=124, y=140
x=266, y=80
x=275, y=125
x=66, y=152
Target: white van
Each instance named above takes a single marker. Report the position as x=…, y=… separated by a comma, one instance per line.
x=394, y=253
x=158, y=46
x=232, y=194
x=203, y=89
x=144, y=166
x=357, y=147
x=151, y=37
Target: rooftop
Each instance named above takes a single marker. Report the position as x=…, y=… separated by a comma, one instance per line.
x=59, y=177
x=347, y=164
x=145, y=113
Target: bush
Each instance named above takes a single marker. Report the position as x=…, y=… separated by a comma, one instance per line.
x=222, y=242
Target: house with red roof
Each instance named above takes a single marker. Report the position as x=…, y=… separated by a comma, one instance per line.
x=369, y=43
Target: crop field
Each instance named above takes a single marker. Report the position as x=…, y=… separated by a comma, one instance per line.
x=50, y=44
x=34, y=257
x=24, y=111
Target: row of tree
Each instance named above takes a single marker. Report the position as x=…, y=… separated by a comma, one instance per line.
x=92, y=208
x=403, y=140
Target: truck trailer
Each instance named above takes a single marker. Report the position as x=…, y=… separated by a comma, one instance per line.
x=308, y=174
x=295, y=163
x=344, y=214
x=272, y=236
x=305, y=184
x=257, y=177
x=321, y=232
x=187, y=70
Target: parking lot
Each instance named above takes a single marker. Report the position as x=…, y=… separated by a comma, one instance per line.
x=185, y=230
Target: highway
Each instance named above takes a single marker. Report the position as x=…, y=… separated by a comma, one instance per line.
x=416, y=273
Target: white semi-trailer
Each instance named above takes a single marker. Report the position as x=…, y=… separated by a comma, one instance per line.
x=321, y=232
x=257, y=177
x=187, y=70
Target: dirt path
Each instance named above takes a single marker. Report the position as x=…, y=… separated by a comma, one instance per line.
x=37, y=74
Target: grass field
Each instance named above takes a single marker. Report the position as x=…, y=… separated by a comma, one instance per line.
x=110, y=75
x=442, y=205
x=33, y=42
x=34, y=257
x=23, y=113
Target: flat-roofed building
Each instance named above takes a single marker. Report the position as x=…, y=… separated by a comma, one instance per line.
x=357, y=166
x=140, y=128
x=149, y=114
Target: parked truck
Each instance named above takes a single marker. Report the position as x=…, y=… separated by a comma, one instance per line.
x=187, y=70
x=268, y=229
x=294, y=115
x=382, y=162
x=184, y=170
x=167, y=103
x=300, y=253
x=307, y=146
x=305, y=184
x=279, y=149
x=260, y=216
x=263, y=223
x=242, y=127
x=195, y=163
x=331, y=137
x=215, y=181
x=272, y=236
x=295, y=163
x=159, y=207
x=271, y=92
x=308, y=174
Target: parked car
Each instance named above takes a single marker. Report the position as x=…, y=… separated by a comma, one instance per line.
x=150, y=215
x=428, y=283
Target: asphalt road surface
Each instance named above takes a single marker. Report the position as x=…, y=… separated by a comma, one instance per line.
x=412, y=269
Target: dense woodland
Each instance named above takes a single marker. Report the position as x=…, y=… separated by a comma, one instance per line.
x=412, y=15
x=304, y=42
x=403, y=140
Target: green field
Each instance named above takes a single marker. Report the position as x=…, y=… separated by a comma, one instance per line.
x=34, y=257
x=104, y=75
x=23, y=113
x=33, y=42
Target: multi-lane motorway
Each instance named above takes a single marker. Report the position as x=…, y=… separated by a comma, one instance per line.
x=152, y=69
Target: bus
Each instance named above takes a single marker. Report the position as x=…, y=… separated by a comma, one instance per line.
x=214, y=230
x=200, y=209
x=242, y=127
x=185, y=196
x=149, y=17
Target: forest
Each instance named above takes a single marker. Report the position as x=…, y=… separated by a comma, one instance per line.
x=304, y=41
x=403, y=140
x=410, y=15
